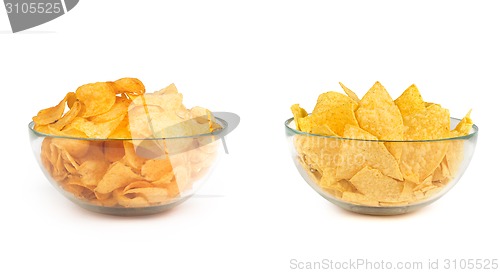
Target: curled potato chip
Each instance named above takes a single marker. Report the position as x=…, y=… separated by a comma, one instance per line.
x=52, y=114
x=154, y=195
x=114, y=150
x=120, y=108
x=98, y=98
x=131, y=86
x=118, y=175
x=75, y=147
x=68, y=117
x=92, y=171
x=96, y=130
x=154, y=169
x=102, y=163
x=131, y=201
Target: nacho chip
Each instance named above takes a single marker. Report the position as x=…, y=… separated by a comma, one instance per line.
x=335, y=110
x=378, y=115
x=350, y=93
x=410, y=102
x=298, y=113
x=358, y=154
x=376, y=186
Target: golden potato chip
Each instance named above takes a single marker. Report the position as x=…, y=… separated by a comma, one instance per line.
x=52, y=114
x=92, y=171
x=298, y=113
x=68, y=117
x=155, y=169
x=355, y=155
x=96, y=130
x=335, y=110
x=154, y=195
x=131, y=158
x=131, y=86
x=375, y=185
x=132, y=201
x=114, y=150
x=410, y=102
x=350, y=93
x=120, y=108
x=122, y=131
x=98, y=98
x=118, y=175
x=75, y=147
x=378, y=115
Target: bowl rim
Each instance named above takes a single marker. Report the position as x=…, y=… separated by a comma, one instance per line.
x=217, y=133
x=474, y=132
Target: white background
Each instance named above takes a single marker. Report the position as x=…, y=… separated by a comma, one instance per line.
x=254, y=58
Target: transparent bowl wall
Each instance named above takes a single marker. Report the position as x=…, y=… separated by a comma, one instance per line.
x=313, y=154
x=175, y=167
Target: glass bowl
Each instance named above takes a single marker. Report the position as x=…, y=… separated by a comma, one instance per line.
x=358, y=176
x=127, y=176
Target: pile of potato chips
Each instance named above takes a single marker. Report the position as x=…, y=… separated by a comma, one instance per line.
x=112, y=144
x=378, y=151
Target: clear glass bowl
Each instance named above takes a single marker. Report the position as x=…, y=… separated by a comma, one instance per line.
x=127, y=176
x=333, y=166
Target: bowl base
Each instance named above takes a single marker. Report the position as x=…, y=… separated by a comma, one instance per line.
x=123, y=211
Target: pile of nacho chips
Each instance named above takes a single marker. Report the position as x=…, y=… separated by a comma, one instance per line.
x=379, y=151
x=112, y=144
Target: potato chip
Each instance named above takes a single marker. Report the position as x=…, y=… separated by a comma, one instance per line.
x=115, y=163
x=118, y=175
x=75, y=147
x=52, y=114
x=154, y=195
x=132, y=201
x=98, y=98
x=120, y=108
x=358, y=154
x=96, y=130
x=92, y=171
x=114, y=150
x=130, y=86
x=378, y=115
x=155, y=169
x=376, y=186
x=122, y=131
x=68, y=117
